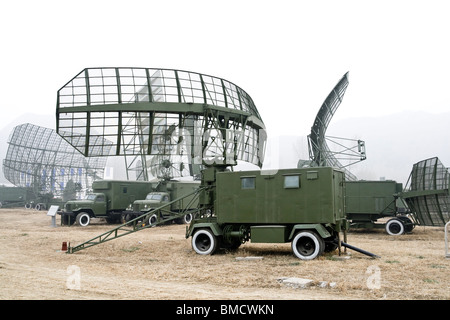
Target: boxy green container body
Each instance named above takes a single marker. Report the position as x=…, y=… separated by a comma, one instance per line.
x=371, y=200
x=120, y=194
x=285, y=196
x=14, y=194
x=181, y=189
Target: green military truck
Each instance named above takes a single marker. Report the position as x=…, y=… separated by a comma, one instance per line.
x=368, y=201
x=164, y=193
x=14, y=196
x=108, y=199
x=302, y=206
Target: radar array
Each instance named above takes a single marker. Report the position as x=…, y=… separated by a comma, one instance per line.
x=183, y=118
x=39, y=158
x=320, y=152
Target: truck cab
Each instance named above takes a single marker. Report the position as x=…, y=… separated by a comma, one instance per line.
x=94, y=202
x=93, y=205
x=175, y=196
x=152, y=200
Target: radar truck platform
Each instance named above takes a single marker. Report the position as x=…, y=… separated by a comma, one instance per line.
x=301, y=206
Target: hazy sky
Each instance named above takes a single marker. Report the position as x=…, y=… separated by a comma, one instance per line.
x=287, y=55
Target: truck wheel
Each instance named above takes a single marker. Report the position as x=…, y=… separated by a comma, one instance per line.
x=395, y=227
x=83, y=219
x=153, y=219
x=67, y=220
x=407, y=222
x=307, y=245
x=187, y=218
x=229, y=246
x=204, y=242
x=331, y=243
x=125, y=217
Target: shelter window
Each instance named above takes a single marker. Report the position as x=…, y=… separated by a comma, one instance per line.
x=291, y=182
x=312, y=175
x=248, y=182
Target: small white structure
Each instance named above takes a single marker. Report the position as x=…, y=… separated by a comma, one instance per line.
x=52, y=212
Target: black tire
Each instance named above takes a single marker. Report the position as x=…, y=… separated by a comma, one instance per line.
x=407, y=222
x=112, y=219
x=40, y=206
x=234, y=245
x=331, y=243
x=395, y=227
x=152, y=219
x=307, y=245
x=187, y=218
x=125, y=217
x=83, y=219
x=204, y=242
x=66, y=220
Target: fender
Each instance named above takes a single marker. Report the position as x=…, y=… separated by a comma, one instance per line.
x=215, y=228
x=74, y=213
x=321, y=230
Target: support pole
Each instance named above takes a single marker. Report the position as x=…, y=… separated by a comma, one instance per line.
x=447, y=253
x=346, y=245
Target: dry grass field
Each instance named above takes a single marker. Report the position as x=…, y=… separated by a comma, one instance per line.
x=159, y=264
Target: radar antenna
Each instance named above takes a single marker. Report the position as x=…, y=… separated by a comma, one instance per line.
x=320, y=153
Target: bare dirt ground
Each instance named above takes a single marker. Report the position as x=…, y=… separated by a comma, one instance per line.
x=159, y=263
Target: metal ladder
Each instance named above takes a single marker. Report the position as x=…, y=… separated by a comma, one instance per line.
x=140, y=223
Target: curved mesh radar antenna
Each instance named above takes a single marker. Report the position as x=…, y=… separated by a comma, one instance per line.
x=141, y=112
x=319, y=151
x=39, y=158
x=427, y=192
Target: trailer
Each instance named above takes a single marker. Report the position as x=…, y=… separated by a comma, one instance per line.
x=14, y=196
x=424, y=201
x=368, y=201
x=301, y=206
